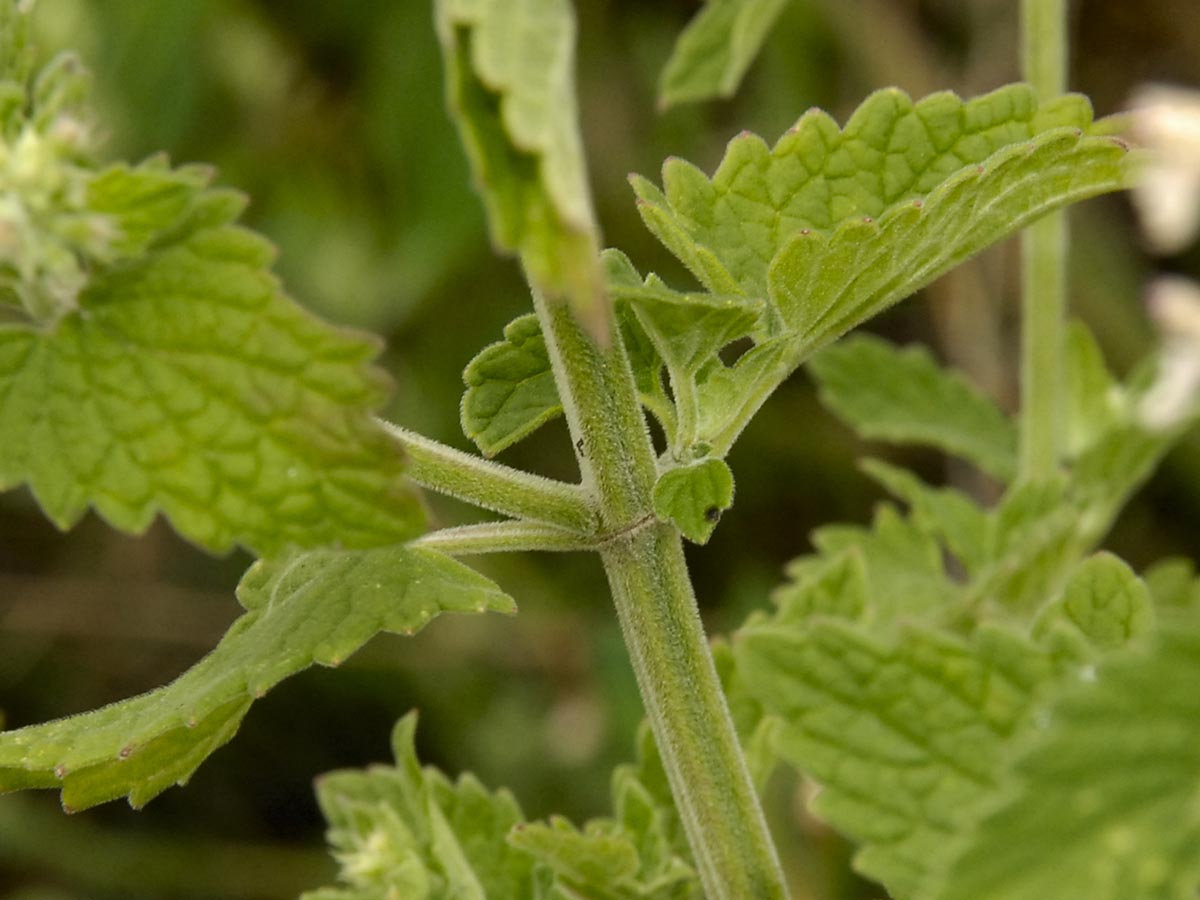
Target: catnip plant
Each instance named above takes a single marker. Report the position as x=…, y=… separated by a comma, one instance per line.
x=990, y=707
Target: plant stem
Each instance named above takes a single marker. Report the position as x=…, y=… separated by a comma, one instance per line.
x=1043, y=264
x=659, y=618
x=503, y=537
x=493, y=486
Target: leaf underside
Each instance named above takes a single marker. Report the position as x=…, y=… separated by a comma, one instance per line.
x=318, y=606
x=188, y=383
x=715, y=49
x=509, y=70
x=903, y=396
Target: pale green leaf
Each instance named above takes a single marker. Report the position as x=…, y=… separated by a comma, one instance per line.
x=904, y=573
x=1173, y=584
x=831, y=226
x=1096, y=402
x=687, y=328
x=693, y=496
x=189, y=384
x=906, y=737
x=1104, y=601
x=510, y=388
x=1036, y=537
x=715, y=50
x=313, y=607
x=408, y=832
x=510, y=84
x=945, y=513
x=599, y=858
x=1103, y=803
x=903, y=396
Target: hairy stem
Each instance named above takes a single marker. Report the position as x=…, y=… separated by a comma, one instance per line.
x=503, y=537
x=659, y=619
x=1043, y=263
x=492, y=486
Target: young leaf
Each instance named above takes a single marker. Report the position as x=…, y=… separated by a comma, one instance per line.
x=687, y=328
x=831, y=226
x=510, y=86
x=693, y=496
x=945, y=513
x=1104, y=602
x=510, y=388
x=715, y=50
x=408, y=832
x=904, y=396
x=905, y=576
x=1173, y=585
x=1103, y=801
x=1096, y=403
x=319, y=606
x=188, y=383
x=906, y=737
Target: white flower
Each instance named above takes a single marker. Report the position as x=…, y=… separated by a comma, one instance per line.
x=1174, y=305
x=1167, y=122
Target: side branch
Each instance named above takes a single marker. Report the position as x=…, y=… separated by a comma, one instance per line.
x=503, y=537
x=493, y=486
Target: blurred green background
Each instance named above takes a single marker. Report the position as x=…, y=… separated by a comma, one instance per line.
x=330, y=115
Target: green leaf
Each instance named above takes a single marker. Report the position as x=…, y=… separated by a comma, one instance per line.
x=831, y=226
x=1173, y=584
x=693, y=496
x=907, y=737
x=409, y=832
x=904, y=396
x=188, y=383
x=1096, y=402
x=715, y=50
x=945, y=513
x=687, y=328
x=510, y=388
x=904, y=573
x=1103, y=801
x=1104, y=601
x=319, y=606
x=1036, y=537
x=509, y=71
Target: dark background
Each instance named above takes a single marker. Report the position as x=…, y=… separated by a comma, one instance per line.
x=330, y=115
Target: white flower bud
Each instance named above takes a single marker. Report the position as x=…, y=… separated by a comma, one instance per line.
x=1174, y=305
x=1167, y=122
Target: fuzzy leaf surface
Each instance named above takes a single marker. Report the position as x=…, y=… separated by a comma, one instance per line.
x=313, y=607
x=832, y=225
x=1104, y=601
x=692, y=497
x=1103, y=805
x=510, y=388
x=407, y=831
x=187, y=383
x=903, y=396
x=510, y=84
x=906, y=737
x=715, y=49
